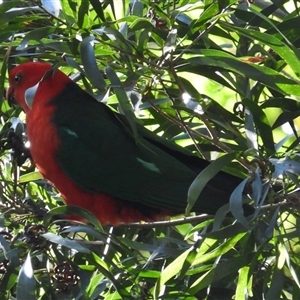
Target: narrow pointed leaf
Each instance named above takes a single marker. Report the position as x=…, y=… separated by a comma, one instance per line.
x=236, y=203
x=26, y=281
x=90, y=64
x=65, y=242
x=208, y=173
x=125, y=105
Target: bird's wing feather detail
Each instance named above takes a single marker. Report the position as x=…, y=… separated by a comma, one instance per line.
x=99, y=154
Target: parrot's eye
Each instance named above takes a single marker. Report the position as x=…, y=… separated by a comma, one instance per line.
x=17, y=78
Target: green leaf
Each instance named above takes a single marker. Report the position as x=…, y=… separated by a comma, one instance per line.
x=276, y=285
x=285, y=165
x=289, y=53
x=56, y=239
x=83, y=13
x=170, y=271
x=219, y=271
x=243, y=284
x=101, y=236
x=26, y=281
x=141, y=23
x=125, y=105
x=286, y=117
x=97, y=6
x=236, y=203
x=208, y=173
x=14, y=12
x=250, y=130
x=32, y=176
x=262, y=74
x=170, y=44
x=73, y=210
x=36, y=35
x=262, y=125
x=90, y=64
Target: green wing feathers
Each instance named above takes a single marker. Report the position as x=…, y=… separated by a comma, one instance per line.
x=99, y=153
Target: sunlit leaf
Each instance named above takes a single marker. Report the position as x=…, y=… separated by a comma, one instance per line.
x=208, y=173
x=26, y=281
x=90, y=64
x=65, y=242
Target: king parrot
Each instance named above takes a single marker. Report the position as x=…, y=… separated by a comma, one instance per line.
x=88, y=152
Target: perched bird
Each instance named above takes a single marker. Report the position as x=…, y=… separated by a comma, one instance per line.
x=88, y=152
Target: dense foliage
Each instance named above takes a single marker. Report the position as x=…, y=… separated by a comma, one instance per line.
x=220, y=78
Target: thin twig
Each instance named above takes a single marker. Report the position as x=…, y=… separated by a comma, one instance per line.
x=204, y=32
x=184, y=220
x=201, y=218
